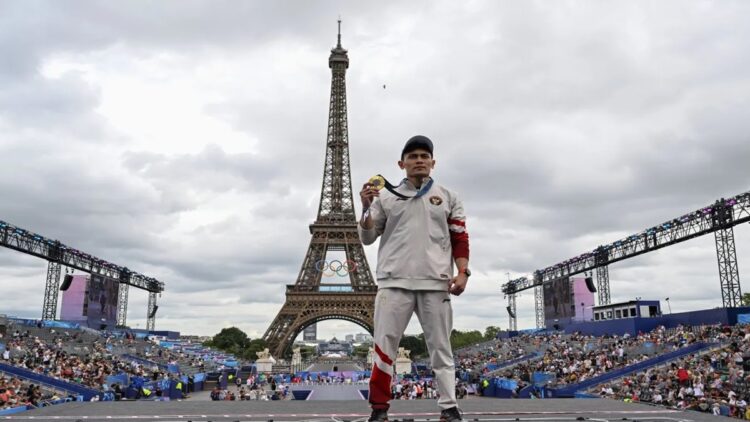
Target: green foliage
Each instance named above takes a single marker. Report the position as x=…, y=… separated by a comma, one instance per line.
x=461, y=339
x=253, y=346
x=490, y=332
x=746, y=299
x=361, y=351
x=230, y=338
x=415, y=344
x=235, y=341
x=307, y=352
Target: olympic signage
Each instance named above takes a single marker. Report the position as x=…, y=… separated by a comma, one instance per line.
x=336, y=267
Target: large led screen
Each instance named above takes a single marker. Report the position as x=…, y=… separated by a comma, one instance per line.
x=102, y=301
x=558, y=300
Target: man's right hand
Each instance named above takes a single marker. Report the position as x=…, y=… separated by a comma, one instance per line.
x=367, y=195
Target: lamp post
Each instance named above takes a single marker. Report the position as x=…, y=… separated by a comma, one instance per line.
x=669, y=306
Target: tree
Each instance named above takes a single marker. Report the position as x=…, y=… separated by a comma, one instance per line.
x=415, y=344
x=361, y=351
x=252, y=347
x=491, y=332
x=308, y=352
x=746, y=299
x=461, y=339
x=230, y=340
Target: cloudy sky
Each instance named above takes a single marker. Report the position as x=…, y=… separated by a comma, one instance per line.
x=185, y=139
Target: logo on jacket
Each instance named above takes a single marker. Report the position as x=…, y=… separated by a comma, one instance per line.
x=436, y=200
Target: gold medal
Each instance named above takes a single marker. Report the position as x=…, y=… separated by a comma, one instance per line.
x=377, y=182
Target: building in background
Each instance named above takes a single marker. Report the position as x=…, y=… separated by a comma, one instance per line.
x=363, y=338
x=310, y=333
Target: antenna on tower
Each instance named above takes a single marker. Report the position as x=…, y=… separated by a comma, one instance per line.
x=339, y=43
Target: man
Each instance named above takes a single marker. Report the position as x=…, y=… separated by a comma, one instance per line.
x=423, y=232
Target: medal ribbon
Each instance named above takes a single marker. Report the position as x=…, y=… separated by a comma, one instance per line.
x=392, y=189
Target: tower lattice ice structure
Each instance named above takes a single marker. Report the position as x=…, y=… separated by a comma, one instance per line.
x=335, y=229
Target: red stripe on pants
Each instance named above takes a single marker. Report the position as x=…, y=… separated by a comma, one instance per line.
x=380, y=389
x=383, y=356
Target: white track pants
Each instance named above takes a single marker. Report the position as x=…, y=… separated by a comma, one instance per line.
x=393, y=310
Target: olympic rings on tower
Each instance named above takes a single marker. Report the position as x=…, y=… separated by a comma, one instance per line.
x=336, y=267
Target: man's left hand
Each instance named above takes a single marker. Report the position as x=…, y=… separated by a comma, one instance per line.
x=458, y=284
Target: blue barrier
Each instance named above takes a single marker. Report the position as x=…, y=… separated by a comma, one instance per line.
x=301, y=394
x=523, y=358
x=61, y=324
x=13, y=410
x=69, y=387
x=582, y=395
x=541, y=378
x=505, y=383
x=143, y=361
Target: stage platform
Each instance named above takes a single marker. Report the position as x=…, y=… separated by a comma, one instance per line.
x=416, y=410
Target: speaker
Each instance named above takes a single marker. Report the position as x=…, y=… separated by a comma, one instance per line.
x=151, y=315
x=66, y=282
x=590, y=284
x=510, y=311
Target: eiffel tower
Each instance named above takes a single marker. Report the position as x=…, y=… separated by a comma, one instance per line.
x=335, y=229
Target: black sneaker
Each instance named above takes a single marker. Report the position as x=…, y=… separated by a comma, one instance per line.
x=378, y=415
x=451, y=415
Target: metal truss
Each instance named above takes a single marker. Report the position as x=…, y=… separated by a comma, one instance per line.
x=539, y=306
x=512, y=316
x=151, y=315
x=122, y=305
x=729, y=275
x=726, y=255
x=721, y=215
x=602, y=284
x=30, y=243
x=51, y=289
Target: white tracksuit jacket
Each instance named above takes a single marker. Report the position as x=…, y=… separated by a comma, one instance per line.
x=420, y=237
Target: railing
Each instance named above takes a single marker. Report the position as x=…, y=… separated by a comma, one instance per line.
x=78, y=389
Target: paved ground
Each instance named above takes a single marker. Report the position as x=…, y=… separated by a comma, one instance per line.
x=336, y=411
x=334, y=391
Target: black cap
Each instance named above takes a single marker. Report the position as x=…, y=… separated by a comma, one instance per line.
x=416, y=142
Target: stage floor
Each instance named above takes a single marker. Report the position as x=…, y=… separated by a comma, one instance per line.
x=417, y=410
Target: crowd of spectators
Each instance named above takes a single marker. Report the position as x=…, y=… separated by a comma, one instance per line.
x=253, y=388
x=90, y=368
x=714, y=382
x=480, y=358
x=15, y=392
x=569, y=359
